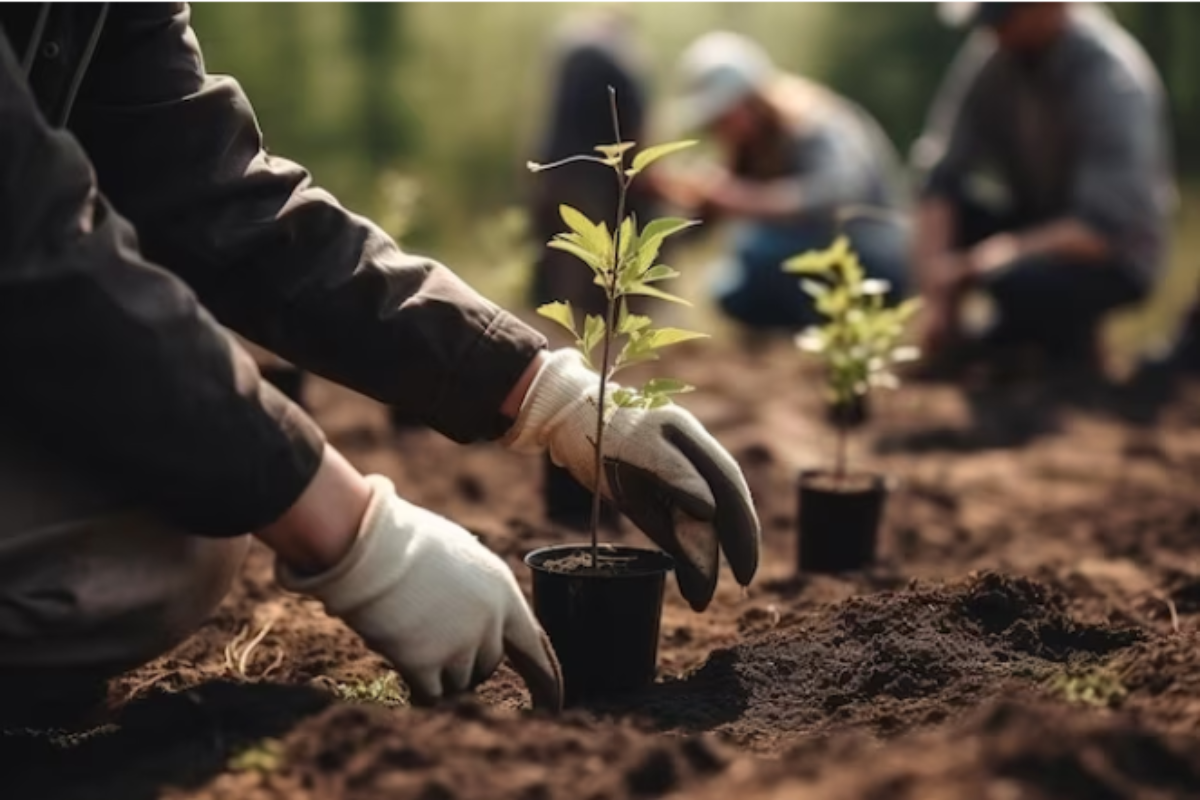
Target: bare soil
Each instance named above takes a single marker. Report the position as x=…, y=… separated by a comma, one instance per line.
x=1031, y=629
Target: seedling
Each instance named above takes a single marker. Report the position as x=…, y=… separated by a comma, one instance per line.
x=624, y=262
x=859, y=343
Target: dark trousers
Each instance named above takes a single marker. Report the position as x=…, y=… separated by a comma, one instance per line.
x=755, y=290
x=1053, y=304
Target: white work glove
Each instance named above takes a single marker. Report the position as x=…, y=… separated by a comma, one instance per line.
x=661, y=468
x=423, y=592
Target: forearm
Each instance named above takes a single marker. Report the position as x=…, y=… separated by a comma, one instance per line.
x=276, y=258
x=317, y=531
x=934, y=238
x=1066, y=238
x=778, y=199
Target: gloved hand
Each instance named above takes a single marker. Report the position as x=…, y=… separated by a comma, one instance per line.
x=661, y=468
x=424, y=592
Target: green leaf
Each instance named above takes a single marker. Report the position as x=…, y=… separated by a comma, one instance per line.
x=615, y=150
x=814, y=262
x=666, y=386
x=629, y=237
x=650, y=291
x=593, y=238
x=625, y=398
x=593, y=333
x=560, y=313
x=659, y=229
x=660, y=272
x=814, y=289
x=907, y=309
x=652, y=154
x=630, y=323
x=566, y=245
x=653, y=236
x=665, y=337
x=576, y=220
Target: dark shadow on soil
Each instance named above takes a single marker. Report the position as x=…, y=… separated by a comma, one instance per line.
x=1001, y=419
x=179, y=740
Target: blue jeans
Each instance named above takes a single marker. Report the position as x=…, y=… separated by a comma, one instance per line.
x=753, y=288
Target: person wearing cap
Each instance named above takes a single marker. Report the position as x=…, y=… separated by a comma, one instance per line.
x=139, y=445
x=1047, y=183
x=801, y=165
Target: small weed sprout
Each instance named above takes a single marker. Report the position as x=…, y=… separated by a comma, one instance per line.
x=859, y=343
x=623, y=261
x=265, y=756
x=1100, y=687
x=382, y=691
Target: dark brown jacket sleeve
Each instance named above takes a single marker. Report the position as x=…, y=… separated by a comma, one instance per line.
x=180, y=154
x=112, y=363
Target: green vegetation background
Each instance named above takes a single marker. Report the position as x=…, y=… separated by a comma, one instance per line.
x=423, y=115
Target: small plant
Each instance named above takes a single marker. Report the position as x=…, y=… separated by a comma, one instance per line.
x=264, y=756
x=623, y=261
x=382, y=691
x=860, y=341
x=1099, y=687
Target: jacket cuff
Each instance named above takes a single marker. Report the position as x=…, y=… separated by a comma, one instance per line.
x=468, y=407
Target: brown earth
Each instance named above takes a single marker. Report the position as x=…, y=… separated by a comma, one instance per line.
x=1030, y=631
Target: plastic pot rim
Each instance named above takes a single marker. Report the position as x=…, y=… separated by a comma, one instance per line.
x=535, y=561
x=879, y=480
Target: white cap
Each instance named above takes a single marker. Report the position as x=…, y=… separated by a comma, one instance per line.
x=718, y=71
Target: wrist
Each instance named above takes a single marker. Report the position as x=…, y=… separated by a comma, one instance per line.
x=319, y=529
x=511, y=407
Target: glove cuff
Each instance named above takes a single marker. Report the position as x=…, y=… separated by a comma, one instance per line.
x=364, y=572
x=563, y=381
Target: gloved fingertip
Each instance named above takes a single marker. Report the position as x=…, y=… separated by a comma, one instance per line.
x=424, y=688
x=532, y=656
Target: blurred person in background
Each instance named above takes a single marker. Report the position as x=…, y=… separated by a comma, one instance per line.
x=799, y=164
x=592, y=51
x=139, y=445
x=1047, y=183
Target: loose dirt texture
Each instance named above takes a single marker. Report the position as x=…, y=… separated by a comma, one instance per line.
x=1032, y=629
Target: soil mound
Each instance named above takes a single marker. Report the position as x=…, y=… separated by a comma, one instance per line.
x=469, y=753
x=887, y=662
x=1009, y=751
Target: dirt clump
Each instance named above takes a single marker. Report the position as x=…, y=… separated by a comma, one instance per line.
x=1011, y=750
x=469, y=752
x=886, y=663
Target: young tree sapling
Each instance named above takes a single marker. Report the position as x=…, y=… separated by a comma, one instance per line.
x=624, y=262
x=860, y=341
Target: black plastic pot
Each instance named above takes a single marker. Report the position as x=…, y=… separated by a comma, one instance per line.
x=569, y=503
x=603, y=624
x=838, y=525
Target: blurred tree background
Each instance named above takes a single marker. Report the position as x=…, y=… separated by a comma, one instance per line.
x=431, y=110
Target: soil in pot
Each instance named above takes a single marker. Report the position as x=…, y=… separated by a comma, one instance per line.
x=838, y=520
x=603, y=620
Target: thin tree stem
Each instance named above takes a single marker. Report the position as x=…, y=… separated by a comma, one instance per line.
x=840, y=459
x=611, y=296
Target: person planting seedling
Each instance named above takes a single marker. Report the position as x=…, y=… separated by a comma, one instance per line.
x=601, y=605
x=140, y=448
x=859, y=345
